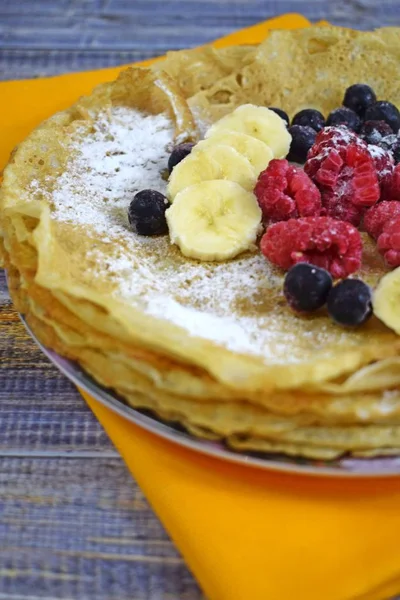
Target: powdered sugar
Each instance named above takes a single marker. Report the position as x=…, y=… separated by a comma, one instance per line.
x=233, y=304
x=121, y=157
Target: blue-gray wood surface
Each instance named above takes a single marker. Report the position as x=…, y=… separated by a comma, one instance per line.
x=73, y=523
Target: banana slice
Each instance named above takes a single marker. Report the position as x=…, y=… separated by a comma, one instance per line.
x=214, y=162
x=386, y=300
x=258, y=153
x=214, y=220
x=258, y=122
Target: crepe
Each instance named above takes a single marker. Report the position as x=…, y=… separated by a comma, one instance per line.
x=212, y=346
x=199, y=68
x=306, y=68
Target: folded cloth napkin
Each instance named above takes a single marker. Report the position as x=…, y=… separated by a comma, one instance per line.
x=246, y=534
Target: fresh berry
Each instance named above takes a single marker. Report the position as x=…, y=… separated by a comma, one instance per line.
x=392, y=144
x=358, y=97
x=146, y=213
x=350, y=303
x=303, y=137
x=332, y=137
x=347, y=179
x=309, y=117
x=285, y=192
x=344, y=116
x=281, y=113
x=384, y=165
x=327, y=243
x=377, y=216
x=396, y=153
x=306, y=287
x=391, y=190
x=372, y=132
x=388, y=242
x=179, y=153
x=384, y=111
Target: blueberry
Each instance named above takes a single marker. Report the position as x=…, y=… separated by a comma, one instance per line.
x=310, y=118
x=396, y=152
x=350, y=303
x=306, y=287
x=358, y=97
x=344, y=116
x=146, y=213
x=384, y=111
x=179, y=153
x=373, y=132
x=302, y=139
x=281, y=113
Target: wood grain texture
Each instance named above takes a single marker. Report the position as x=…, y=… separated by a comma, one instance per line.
x=77, y=529
x=73, y=523
x=46, y=37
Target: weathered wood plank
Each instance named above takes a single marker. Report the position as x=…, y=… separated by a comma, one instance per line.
x=81, y=529
x=45, y=38
x=40, y=409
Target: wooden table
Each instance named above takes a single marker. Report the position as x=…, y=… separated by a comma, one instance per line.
x=73, y=523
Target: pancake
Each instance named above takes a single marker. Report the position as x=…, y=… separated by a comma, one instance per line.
x=228, y=318
x=306, y=68
x=199, y=68
x=213, y=346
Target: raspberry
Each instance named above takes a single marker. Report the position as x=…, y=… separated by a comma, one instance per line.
x=391, y=190
x=384, y=165
x=377, y=216
x=332, y=137
x=285, y=192
x=322, y=241
x=347, y=179
x=389, y=242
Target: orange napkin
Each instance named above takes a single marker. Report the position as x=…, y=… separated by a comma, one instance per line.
x=246, y=534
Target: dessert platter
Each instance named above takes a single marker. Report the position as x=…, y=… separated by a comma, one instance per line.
x=211, y=247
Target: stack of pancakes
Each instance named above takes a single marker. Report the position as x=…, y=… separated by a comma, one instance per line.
x=211, y=346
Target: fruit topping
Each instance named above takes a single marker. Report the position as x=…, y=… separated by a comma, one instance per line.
x=377, y=216
x=372, y=132
x=283, y=115
x=384, y=111
x=322, y=241
x=384, y=165
x=358, y=97
x=306, y=287
x=303, y=138
x=178, y=153
x=218, y=161
x=214, y=220
x=391, y=190
x=344, y=116
x=258, y=153
x=350, y=303
x=259, y=122
x=285, y=192
x=347, y=179
x=332, y=137
x=388, y=242
x=386, y=300
x=392, y=144
x=309, y=117
x=146, y=213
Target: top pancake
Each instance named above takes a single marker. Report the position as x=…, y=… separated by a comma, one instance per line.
x=306, y=68
x=69, y=185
